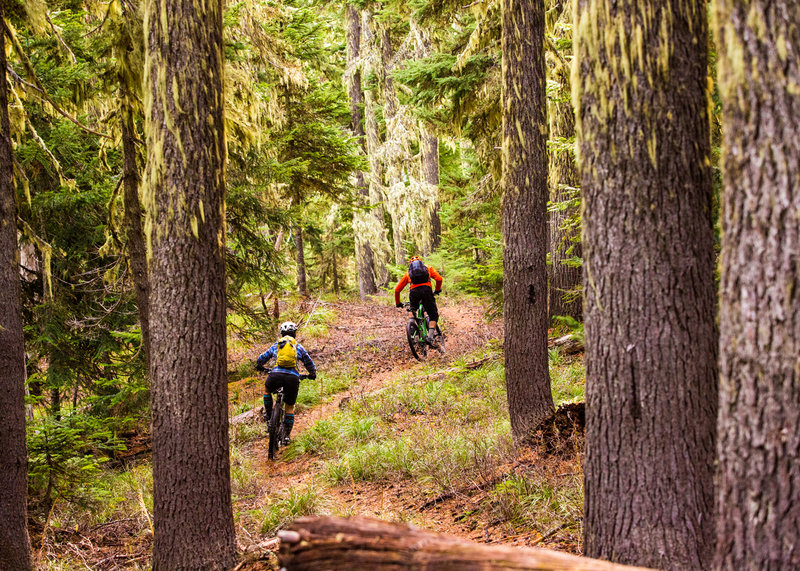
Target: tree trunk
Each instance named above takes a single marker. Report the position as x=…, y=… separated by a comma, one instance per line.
x=15, y=546
x=564, y=280
x=758, y=494
x=335, y=271
x=651, y=340
x=365, y=258
x=429, y=147
x=394, y=151
x=184, y=189
x=137, y=249
x=525, y=217
x=429, y=151
x=302, y=285
x=360, y=543
x=382, y=252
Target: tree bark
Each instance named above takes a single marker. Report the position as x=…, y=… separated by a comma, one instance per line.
x=525, y=216
x=758, y=494
x=563, y=177
x=15, y=546
x=137, y=249
x=429, y=147
x=429, y=151
x=302, y=284
x=394, y=151
x=361, y=543
x=365, y=258
x=184, y=189
x=651, y=340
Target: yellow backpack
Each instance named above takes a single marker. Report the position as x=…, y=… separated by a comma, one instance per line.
x=287, y=352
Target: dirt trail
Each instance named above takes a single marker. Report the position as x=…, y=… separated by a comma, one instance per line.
x=373, y=339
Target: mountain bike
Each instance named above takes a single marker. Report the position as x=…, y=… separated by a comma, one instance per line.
x=275, y=426
x=417, y=333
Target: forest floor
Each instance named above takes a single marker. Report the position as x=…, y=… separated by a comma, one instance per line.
x=427, y=443
x=372, y=337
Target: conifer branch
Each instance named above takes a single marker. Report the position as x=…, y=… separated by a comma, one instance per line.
x=40, y=88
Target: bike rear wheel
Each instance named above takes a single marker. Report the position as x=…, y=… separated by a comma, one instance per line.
x=275, y=428
x=418, y=347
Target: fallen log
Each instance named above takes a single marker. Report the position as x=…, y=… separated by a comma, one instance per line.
x=360, y=543
x=568, y=345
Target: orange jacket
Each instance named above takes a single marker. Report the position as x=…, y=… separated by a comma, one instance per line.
x=406, y=280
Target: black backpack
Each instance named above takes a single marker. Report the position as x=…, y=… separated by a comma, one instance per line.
x=418, y=273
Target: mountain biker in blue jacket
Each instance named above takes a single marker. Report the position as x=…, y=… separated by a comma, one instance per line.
x=286, y=377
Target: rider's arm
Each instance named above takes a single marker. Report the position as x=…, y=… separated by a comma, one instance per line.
x=399, y=287
x=435, y=275
x=267, y=355
x=306, y=358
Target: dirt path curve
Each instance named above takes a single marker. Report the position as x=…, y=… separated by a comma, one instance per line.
x=372, y=338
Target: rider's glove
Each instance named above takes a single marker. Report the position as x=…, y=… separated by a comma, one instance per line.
x=312, y=376
x=437, y=292
x=398, y=305
x=260, y=368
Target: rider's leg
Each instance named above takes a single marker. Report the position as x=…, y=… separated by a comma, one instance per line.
x=429, y=303
x=290, y=390
x=270, y=386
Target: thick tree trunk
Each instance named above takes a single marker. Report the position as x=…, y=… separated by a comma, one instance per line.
x=429, y=147
x=134, y=228
x=15, y=546
x=525, y=216
x=394, y=151
x=758, y=495
x=382, y=252
x=429, y=151
x=565, y=280
x=651, y=340
x=184, y=189
x=365, y=258
x=360, y=543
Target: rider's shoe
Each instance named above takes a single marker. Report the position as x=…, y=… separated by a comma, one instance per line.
x=286, y=441
x=433, y=339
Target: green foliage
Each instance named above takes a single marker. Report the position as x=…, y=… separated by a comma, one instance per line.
x=284, y=509
x=65, y=458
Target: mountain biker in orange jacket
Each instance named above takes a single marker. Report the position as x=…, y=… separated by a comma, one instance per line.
x=421, y=291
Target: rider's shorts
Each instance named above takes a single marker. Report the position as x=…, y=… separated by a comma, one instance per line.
x=424, y=294
x=289, y=382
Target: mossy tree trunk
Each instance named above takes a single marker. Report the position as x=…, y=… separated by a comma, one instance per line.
x=394, y=150
x=429, y=151
x=382, y=251
x=639, y=85
x=525, y=216
x=564, y=280
x=184, y=189
x=15, y=546
x=758, y=494
x=365, y=258
x=134, y=215
x=302, y=282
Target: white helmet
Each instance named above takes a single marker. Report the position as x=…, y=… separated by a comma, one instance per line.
x=288, y=328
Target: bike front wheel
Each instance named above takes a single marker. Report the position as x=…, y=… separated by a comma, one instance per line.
x=275, y=429
x=418, y=347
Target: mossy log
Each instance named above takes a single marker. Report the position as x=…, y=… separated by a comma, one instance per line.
x=362, y=543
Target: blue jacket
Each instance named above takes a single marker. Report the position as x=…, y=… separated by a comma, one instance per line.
x=302, y=355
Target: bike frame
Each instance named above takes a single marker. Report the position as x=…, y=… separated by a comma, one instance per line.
x=421, y=321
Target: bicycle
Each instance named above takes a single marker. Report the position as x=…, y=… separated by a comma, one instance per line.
x=417, y=333
x=275, y=425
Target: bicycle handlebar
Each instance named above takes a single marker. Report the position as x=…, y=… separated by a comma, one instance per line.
x=269, y=370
